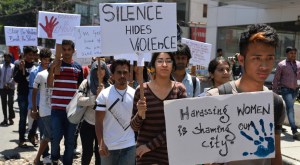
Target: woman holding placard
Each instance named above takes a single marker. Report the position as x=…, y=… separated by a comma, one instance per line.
x=88, y=98
x=148, y=112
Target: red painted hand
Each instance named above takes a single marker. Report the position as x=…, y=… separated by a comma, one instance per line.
x=49, y=27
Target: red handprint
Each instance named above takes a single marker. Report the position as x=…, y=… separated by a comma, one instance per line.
x=49, y=26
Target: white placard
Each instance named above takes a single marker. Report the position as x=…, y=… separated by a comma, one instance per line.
x=138, y=27
x=200, y=51
x=87, y=41
x=82, y=61
x=217, y=129
x=20, y=36
x=57, y=25
x=133, y=57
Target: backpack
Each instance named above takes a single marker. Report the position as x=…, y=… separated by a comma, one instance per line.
x=194, y=85
x=278, y=103
x=75, y=113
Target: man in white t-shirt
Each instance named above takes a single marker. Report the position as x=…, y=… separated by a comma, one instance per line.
x=113, y=115
x=43, y=110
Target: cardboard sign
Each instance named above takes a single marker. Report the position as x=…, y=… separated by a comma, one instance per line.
x=133, y=56
x=138, y=27
x=20, y=36
x=57, y=25
x=216, y=129
x=82, y=61
x=87, y=41
x=200, y=51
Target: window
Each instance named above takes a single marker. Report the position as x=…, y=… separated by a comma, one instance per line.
x=204, y=10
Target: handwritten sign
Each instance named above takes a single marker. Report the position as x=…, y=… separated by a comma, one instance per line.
x=133, y=57
x=57, y=25
x=81, y=61
x=200, y=51
x=20, y=36
x=87, y=41
x=138, y=27
x=218, y=129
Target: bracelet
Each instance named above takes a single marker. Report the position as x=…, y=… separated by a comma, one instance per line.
x=34, y=111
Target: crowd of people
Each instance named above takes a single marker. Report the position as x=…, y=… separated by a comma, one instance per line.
x=124, y=121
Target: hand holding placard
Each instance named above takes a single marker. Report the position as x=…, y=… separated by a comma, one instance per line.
x=58, y=58
x=142, y=107
x=140, y=64
x=49, y=27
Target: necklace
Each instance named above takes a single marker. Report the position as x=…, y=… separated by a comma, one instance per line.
x=122, y=95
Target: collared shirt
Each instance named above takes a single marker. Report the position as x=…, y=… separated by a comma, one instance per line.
x=8, y=77
x=188, y=83
x=32, y=76
x=286, y=76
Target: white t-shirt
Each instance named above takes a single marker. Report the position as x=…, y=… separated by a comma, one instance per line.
x=117, y=133
x=40, y=82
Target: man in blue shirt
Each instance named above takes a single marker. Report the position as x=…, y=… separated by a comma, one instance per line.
x=182, y=57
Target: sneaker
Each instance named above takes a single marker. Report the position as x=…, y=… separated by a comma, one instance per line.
x=76, y=151
x=296, y=136
x=283, y=130
x=47, y=160
x=4, y=123
x=11, y=122
x=33, y=139
x=23, y=144
x=56, y=162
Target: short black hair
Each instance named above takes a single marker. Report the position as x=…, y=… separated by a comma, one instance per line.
x=8, y=54
x=35, y=49
x=28, y=49
x=183, y=49
x=219, y=50
x=68, y=42
x=45, y=53
x=261, y=33
x=155, y=55
x=118, y=62
x=290, y=48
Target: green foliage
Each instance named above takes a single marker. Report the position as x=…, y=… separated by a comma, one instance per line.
x=8, y=7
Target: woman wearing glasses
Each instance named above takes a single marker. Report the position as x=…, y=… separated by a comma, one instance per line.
x=148, y=113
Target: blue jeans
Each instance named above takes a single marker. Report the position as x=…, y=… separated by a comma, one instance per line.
x=125, y=156
x=23, y=105
x=289, y=96
x=60, y=126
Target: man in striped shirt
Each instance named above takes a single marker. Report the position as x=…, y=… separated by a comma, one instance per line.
x=64, y=86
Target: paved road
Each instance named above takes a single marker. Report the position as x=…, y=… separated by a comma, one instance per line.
x=9, y=144
x=9, y=147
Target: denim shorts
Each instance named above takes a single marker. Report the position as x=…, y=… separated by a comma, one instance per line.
x=46, y=126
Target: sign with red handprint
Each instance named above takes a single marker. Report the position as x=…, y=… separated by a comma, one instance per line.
x=53, y=25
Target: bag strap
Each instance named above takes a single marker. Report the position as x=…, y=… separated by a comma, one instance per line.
x=278, y=106
x=225, y=89
x=194, y=85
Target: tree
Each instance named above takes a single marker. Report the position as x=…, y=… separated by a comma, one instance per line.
x=23, y=13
